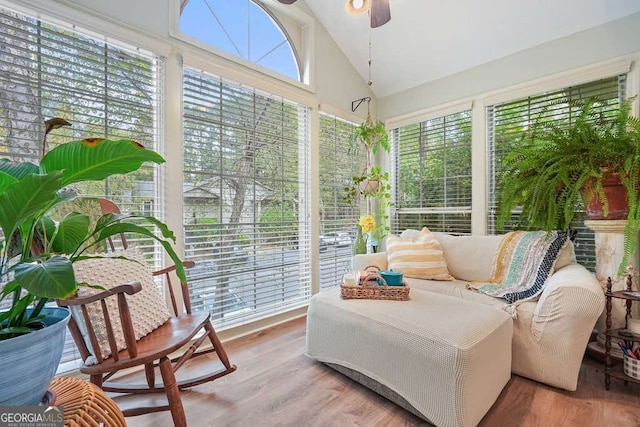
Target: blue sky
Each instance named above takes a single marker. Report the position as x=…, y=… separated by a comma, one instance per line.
x=242, y=29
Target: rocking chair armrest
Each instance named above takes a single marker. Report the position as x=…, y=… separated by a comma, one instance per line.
x=187, y=264
x=129, y=289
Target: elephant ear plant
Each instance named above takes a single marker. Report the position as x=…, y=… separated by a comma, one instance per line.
x=37, y=254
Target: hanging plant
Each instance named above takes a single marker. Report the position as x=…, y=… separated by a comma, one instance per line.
x=372, y=183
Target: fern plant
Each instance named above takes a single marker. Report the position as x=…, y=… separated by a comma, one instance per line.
x=554, y=168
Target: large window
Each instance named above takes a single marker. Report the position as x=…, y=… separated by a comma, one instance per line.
x=103, y=89
x=338, y=218
x=246, y=201
x=432, y=174
x=243, y=28
x=507, y=121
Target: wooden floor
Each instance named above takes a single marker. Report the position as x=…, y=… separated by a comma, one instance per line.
x=277, y=385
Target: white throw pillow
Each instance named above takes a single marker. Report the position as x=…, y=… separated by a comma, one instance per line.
x=148, y=310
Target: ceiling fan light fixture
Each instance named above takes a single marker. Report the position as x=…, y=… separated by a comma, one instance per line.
x=357, y=7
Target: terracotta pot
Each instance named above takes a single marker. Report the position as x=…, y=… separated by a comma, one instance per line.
x=616, y=197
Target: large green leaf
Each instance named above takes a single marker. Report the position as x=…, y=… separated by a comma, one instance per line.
x=97, y=159
x=124, y=227
x=12, y=172
x=29, y=196
x=53, y=278
x=72, y=231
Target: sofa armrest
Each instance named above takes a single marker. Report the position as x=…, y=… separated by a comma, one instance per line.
x=572, y=293
x=360, y=261
x=560, y=328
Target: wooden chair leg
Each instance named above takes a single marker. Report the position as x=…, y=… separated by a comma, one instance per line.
x=173, y=393
x=217, y=345
x=96, y=379
x=150, y=373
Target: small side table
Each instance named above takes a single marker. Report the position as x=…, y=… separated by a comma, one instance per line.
x=85, y=404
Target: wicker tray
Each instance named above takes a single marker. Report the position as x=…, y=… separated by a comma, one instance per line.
x=370, y=289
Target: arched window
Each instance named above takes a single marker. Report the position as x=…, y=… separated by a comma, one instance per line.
x=243, y=28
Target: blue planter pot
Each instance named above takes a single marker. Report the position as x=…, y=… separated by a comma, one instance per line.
x=29, y=362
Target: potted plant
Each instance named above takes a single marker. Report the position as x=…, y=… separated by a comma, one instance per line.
x=36, y=262
x=555, y=169
x=372, y=136
x=372, y=183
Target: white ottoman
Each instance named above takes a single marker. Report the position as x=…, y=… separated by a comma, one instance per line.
x=448, y=358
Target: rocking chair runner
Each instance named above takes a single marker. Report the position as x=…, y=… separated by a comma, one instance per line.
x=150, y=351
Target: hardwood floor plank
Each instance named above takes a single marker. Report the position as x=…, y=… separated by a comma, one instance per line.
x=278, y=385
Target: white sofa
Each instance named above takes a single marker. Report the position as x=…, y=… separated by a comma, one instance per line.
x=551, y=333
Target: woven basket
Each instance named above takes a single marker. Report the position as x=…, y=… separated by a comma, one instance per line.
x=632, y=367
x=370, y=289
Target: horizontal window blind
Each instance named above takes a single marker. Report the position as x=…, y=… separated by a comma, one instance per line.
x=104, y=90
x=246, y=199
x=507, y=121
x=338, y=218
x=432, y=174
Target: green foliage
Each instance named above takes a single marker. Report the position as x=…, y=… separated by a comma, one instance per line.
x=244, y=240
x=37, y=262
x=372, y=136
x=557, y=167
x=381, y=194
x=278, y=222
x=372, y=184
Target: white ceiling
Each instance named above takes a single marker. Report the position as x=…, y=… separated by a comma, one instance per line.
x=430, y=39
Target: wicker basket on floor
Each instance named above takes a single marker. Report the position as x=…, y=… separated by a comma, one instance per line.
x=85, y=405
x=370, y=289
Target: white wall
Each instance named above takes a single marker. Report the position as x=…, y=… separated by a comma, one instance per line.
x=611, y=40
x=151, y=16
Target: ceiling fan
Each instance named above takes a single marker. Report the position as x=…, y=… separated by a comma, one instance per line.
x=380, y=12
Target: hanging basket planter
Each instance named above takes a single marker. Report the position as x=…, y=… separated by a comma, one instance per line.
x=369, y=186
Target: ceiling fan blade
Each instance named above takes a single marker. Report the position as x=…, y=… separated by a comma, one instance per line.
x=380, y=13
x=287, y=1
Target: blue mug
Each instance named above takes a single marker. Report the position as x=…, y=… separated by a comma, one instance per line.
x=393, y=278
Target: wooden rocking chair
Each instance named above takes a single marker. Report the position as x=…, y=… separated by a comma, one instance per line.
x=152, y=350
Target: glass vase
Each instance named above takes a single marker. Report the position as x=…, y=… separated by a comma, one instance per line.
x=360, y=246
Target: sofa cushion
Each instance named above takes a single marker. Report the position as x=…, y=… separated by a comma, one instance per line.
x=362, y=261
x=421, y=258
x=469, y=257
x=472, y=258
x=456, y=288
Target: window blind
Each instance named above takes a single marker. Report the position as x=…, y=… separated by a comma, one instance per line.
x=338, y=218
x=104, y=90
x=507, y=121
x=432, y=174
x=246, y=199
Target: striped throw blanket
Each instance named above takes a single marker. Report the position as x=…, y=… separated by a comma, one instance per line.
x=524, y=262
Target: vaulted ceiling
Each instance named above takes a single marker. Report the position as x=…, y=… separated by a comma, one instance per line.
x=428, y=40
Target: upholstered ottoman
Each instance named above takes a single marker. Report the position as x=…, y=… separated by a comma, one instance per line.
x=443, y=358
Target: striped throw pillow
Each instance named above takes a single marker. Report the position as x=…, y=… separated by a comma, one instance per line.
x=421, y=258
